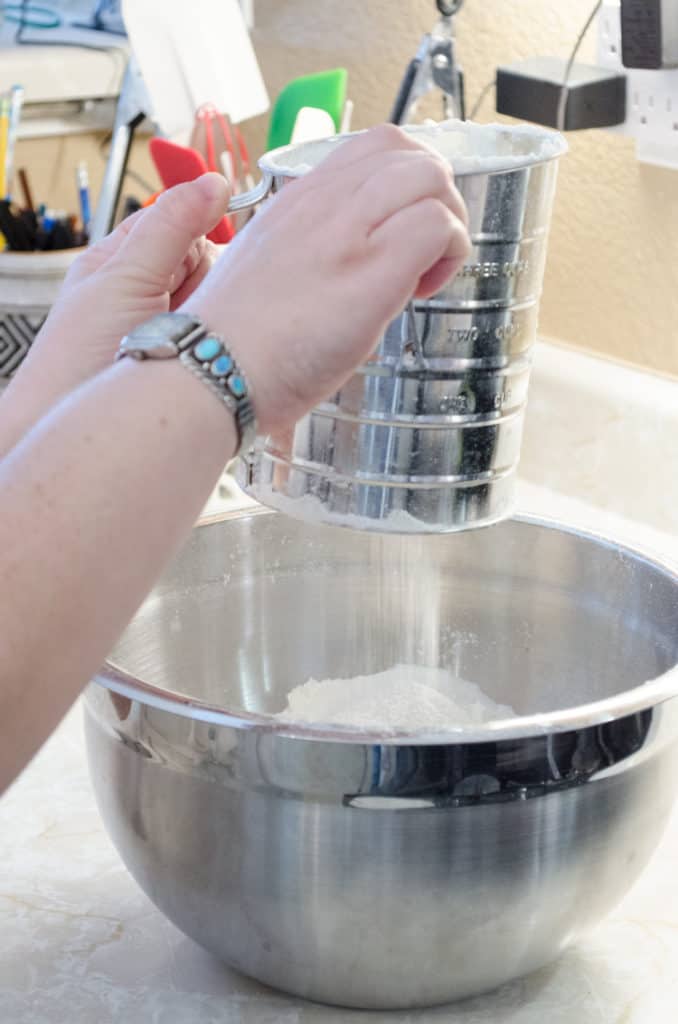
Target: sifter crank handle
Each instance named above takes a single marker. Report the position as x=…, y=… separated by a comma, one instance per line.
x=247, y=199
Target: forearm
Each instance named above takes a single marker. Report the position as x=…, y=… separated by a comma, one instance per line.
x=73, y=346
x=115, y=476
x=56, y=364
x=31, y=393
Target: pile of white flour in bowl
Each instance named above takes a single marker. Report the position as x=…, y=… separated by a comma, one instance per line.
x=408, y=698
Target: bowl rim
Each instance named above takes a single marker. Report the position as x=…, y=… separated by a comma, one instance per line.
x=583, y=716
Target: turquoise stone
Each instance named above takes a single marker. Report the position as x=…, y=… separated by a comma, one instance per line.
x=221, y=366
x=237, y=386
x=207, y=349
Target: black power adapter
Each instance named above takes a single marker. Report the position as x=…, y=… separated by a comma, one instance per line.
x=649, y=33
x=542, y=90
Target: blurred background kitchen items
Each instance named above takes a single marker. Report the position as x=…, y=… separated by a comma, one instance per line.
x=38, y=243
x=196, y=53
x=221, y=143
x=29, y=284
x=322, y=91
x=182, y=58
x=434, y=67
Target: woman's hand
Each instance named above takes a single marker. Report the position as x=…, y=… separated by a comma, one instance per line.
x=99, y=494
x=303, y=294
x=150, y=264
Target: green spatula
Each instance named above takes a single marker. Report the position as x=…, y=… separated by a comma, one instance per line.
x=325, y=90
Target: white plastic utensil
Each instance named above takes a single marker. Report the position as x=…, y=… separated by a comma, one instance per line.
x=191, y=54
x=346, y=117
x=312, y=123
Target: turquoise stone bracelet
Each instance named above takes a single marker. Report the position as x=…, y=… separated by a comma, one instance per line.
x=210, y=353
x=172, y=335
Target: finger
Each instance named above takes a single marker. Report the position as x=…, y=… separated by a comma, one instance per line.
x=191, y=260
x=202, y=252
x=214, y=250
x=372, y=189
x=376, y=187
x=193, y=281
x=432, y=245
x=123, y=229
x=96, y=256
x=384, y=138
x=375, y=144
x=158, y=243
x=437, y=277
x=399, y=181
x=109, y=243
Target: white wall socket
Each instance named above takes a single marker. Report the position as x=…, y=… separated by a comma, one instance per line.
x=651, y=96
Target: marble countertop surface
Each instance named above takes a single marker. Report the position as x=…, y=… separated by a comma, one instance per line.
x=82, y=944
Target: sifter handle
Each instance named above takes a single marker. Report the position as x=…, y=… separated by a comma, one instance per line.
x=253, y=196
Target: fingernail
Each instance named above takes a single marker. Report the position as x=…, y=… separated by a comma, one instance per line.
x=213, y=187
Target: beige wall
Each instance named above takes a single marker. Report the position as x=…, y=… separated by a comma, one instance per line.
x=612, y=279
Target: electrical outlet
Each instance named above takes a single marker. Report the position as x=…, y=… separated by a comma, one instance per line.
x=651, y=96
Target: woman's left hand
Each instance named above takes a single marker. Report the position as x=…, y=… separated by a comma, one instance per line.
x=109, y=290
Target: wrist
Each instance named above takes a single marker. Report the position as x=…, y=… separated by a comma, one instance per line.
x=241, y=342
x=184, y=404
x=183, y=338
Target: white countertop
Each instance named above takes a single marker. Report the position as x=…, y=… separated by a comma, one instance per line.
x=83, y=945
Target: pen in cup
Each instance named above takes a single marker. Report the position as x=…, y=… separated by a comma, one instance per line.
x=4, y=138
x=16, y=101
x=25, y=189
x=82, y=179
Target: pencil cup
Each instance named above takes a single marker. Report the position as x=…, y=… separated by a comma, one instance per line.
x=29, y=283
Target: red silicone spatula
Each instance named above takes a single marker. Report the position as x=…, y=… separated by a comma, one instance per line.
x=176, y=164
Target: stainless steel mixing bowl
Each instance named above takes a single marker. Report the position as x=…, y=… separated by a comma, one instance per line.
x=395, y=871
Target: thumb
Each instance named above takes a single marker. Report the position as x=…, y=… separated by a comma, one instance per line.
x=160, y=240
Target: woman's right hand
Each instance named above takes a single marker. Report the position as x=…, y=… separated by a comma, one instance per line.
x=306, y=290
